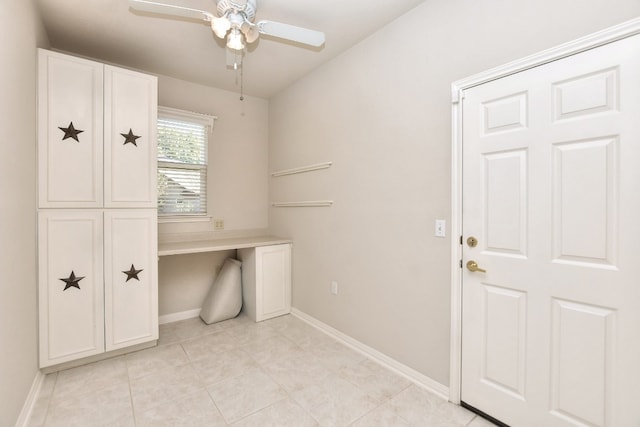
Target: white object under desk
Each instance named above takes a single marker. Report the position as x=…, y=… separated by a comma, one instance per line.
x=266, y=270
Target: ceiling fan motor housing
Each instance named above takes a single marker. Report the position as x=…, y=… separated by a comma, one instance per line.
x=247, y=7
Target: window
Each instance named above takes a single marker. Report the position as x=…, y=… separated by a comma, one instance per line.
x=182, y=162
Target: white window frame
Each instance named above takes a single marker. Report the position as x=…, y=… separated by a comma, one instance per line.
x=197, y=118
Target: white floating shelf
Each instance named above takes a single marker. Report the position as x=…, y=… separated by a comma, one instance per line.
x=304, y=204
x=302, y=169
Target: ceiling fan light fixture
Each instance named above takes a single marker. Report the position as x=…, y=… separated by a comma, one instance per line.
x=235, y=23
x=220, y=26
x=234, y=40
x=252, y=33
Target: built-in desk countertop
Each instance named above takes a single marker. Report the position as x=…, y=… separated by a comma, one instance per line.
x=211, y=245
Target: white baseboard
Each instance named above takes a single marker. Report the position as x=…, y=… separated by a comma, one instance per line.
x=30, y=401
x=386, y=361
x=174, y=317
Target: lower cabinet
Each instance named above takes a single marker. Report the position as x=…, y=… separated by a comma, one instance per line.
x=97, y=281
x=266, y=281
x=130, y=278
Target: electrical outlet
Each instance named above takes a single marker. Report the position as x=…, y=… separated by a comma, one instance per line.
x=334, y=288
x=218, y=224
x=441, y=228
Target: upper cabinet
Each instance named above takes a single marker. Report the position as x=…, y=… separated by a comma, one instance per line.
x=95, y=135
x=70, y=132
x=130, y=153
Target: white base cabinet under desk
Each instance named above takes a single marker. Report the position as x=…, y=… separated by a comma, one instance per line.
x=266, y=281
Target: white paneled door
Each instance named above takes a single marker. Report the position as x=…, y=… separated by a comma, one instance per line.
x=551, y=193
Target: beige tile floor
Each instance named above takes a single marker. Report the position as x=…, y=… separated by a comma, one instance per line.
x=281, y=372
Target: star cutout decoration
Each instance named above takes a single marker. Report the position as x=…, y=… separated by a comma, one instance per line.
x=70, y=132
x=132, y=273
x=130, y=138
x=72, y=281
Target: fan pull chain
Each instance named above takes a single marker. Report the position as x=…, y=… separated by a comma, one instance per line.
x=242, y=83
x=239, y=76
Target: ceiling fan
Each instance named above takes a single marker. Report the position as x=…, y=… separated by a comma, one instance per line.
x=234, y=21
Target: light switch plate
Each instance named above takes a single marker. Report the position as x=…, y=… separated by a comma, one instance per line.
x=441, y=228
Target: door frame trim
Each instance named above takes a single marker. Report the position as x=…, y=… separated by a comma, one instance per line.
x=600, y=38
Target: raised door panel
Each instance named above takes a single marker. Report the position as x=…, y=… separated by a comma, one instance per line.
x=70, y=285
x=130, y=138
x=70, y=131
x=584, y=333
x=273, y=281
x=131, y=271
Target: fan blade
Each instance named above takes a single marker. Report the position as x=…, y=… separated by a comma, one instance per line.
x=291, y=32
x=169, y=9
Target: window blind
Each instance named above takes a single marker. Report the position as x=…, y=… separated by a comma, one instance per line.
x=182, y=162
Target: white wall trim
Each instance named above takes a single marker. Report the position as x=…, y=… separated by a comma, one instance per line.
x=384, y=360
x=455, y=340
x=175, y=317
x=600, y=38
x=30, y=401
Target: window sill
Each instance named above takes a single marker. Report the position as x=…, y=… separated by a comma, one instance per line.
x=182, y=219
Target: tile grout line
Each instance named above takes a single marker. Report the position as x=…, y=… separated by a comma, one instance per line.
x=281, y=386
x=133, y=408
x=205, y=387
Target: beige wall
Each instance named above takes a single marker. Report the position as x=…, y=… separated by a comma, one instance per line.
x=238, y=185
x=21, y=33
x=237, y=152
x=381, y=113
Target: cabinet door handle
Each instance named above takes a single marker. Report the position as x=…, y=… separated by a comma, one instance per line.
x=130, y=138
x=70, y=132
x=132, y=273
x=72, y=281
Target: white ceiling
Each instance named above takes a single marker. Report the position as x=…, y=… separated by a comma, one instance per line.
x=109, y=31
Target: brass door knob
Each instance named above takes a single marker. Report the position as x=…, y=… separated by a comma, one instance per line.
x=473, y=266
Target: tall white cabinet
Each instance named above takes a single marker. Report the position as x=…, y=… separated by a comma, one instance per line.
x=97, y=218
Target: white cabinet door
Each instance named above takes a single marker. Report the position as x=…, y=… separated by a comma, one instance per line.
x=131, y=269
x=70, y=285
x=130, y=112
x=70, y=131
x=273, y=279
x=266, y=281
